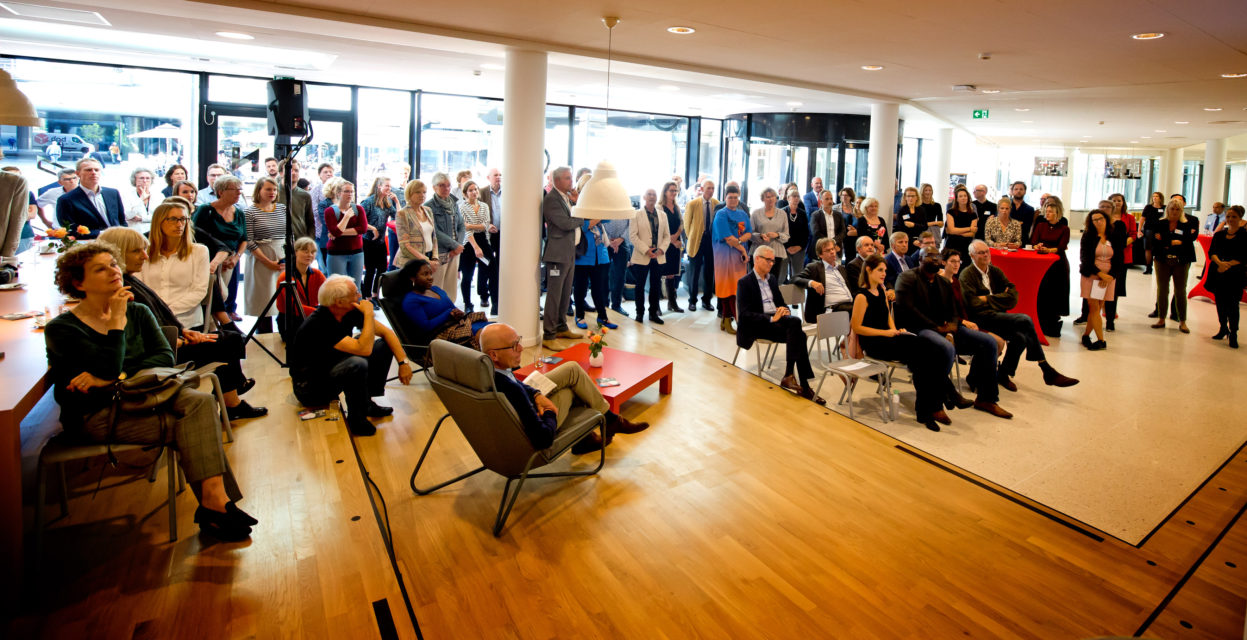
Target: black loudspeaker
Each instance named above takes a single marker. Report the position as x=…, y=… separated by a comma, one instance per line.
x=287, y=108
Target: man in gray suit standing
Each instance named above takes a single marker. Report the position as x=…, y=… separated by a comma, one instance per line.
x=301, y=221
x=559, y=257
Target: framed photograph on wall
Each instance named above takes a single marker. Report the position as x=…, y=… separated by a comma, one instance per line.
x=1123, y=168
x=1054, y=167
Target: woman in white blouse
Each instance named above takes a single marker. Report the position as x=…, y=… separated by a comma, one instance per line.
x=177, y=269
x=142, y=203
x=477, y=219
x=414, y=225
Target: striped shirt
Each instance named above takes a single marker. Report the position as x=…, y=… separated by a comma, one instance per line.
x=265, y=226
x=479, y=216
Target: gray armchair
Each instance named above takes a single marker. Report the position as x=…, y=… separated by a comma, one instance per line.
x=464, y=381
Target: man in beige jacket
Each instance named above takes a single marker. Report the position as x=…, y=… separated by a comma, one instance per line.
x=698, y=216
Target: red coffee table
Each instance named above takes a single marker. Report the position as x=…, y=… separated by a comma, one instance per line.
x=633, y=371
x=1025, y=268
x=1200, y=290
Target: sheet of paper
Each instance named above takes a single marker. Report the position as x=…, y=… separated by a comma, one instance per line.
x=1098, y=289
x=541, y=383
x=856, y=366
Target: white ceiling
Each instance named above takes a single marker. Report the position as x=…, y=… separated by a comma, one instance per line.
x=1071, y=63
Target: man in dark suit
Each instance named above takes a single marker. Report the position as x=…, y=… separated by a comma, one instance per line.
x=302, y=222
x=898, y=259
x=984, y=208
x=559, y=257
x=1022, y=212
x=542, y=416
x=925, y=305
x=828, y=280
x=989, y=295
x=811, y=197
x=826, y=223
x=90, y=205
x=487, y=287
x=866, y=247
x=760, y=313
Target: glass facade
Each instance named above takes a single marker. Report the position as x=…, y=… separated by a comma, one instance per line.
x=458, y=133
x=646, y=149
x=384, y=125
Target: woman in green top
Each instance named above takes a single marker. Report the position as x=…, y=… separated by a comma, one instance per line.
x=225, y=221
x=107, y=336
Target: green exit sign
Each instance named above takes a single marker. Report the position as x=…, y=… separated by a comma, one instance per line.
x=980, y=114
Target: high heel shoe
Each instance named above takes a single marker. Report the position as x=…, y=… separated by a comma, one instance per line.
x=1221, y=334
x=222, y=526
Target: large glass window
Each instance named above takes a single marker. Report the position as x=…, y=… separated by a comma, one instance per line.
x=855, y=168
x=646, y=149
x=126, y=118
x=1192, y=182
x=384, y=125
x=909, y=163
x=710, y=149
x=1090, y=184
x=458, y=133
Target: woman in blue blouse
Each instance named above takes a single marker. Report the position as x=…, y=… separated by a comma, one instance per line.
x=432, y=312
x=593, y=269
x=730, y=232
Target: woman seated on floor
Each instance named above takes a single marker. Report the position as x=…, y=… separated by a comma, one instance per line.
x=431, y=310
x=105, y=336
x=200, y=348
x=877, y=333
x=307, y=283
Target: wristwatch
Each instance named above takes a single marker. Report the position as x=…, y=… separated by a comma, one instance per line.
x=403, y=362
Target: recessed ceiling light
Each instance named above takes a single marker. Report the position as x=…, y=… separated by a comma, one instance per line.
x=682, y=31
x=1021, y=108
x=1162, y=131
x=794, y=103
x=1182, y=122
x=1212, y=108
x=1146, y=137
x=991, y=90
x=233, y=35
x=872, y=67
x=492, y=66
x=668, y=87
x=1148, y=36
x=1234, y=75
x=1028, y=122
x=1134, y=142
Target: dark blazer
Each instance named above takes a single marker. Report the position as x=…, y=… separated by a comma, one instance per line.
x=75, y=208
x=919, y=306
x=903, y=215
x=818, y=229
x=1002, y=296
x=750, y=318
x=853, y=271
x=810, y=200
x=1187, y=229
x=815, y=304
x=1025, y=214
x=1086, y=254
x=985, y=209
x=560, y=230
x=540, y=429
x=894, y=267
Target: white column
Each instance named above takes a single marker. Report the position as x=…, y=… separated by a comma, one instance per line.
x=881, y=160
x=1214, y=176
x=523, y=141
x=943, y=166
x=1171, y=168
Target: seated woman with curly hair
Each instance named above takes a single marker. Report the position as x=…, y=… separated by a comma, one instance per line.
x=108, y=336
x=431, y=310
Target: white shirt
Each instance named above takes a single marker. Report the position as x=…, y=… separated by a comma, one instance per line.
x=143, y=212
x=987, y=281
x=182, y=284
x=96, y=199
x=835, y=289
x=768, y=302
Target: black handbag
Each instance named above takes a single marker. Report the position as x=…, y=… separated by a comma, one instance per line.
x=153, y=387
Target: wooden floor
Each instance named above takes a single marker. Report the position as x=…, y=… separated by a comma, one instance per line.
x=743, y=512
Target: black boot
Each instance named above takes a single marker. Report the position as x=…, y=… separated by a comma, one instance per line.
x=1221, y=334
x=1233, y=339
x=672, y=303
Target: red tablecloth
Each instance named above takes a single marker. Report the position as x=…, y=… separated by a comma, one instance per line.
x=1199, y=290
x=1025, y=269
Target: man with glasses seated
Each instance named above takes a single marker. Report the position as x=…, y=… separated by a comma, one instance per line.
x=328, y=358
x=541, y=415
x=762, y=314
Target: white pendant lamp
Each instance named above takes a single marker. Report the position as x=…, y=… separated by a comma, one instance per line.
x=604, y=196
x=15, y=107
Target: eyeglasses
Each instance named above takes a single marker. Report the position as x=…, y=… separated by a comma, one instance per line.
x=764, y=258
x=175, y=220
x=518, y=344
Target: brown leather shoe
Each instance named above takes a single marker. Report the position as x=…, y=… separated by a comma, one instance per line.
x=808, y=394
x=1055, y=379
x=1007, y=383
x=993, y=408
x=941, y=417
x=957, y=400
x=588, y=444
x=571, y=334
x=624, y=425
x=728, y=327
x=790, y=383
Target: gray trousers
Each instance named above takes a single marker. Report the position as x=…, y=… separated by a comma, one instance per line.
x=192, y=422
x=558, y=298
x=575, y=386
x=1178, y=273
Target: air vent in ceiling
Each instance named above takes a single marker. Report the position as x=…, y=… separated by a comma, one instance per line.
x=40, y=12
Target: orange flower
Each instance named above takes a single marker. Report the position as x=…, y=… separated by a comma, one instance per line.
x=57, y=233
x=82, y=231
x=604, y=330
x=596, y=339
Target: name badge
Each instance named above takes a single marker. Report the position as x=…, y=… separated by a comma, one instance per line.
x=554, y=273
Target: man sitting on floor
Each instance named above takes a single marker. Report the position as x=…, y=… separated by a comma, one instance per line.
x=327, y=358
x=761, y=313
x=989, y=295
x=829, y=281
x=542, y=416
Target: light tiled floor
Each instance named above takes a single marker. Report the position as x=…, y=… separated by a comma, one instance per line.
x=1155, y=415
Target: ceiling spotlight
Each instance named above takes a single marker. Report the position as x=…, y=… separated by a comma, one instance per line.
x=1028, y=121
x=1182, y=122
x=682, y=31
x=492, y=66
x=1021, y=109
x=1162, y=131
x=1212, y=108
x=234, y=35
x=1134, y=142
x=872, y=67
x=1146, y=137
x=1148, y=36
x=1234, y=75
x=991, y=90
x=794, y=103
x=668, y=87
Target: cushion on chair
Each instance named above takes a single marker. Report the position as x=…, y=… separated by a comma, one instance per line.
x=463, y=366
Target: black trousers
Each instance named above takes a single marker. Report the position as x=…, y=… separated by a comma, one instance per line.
x=618, y=273
x=487, y=279
x=701, y=266
x=788, y=330
x=591, y=278
x=1019, y=332
x=1228, y=290
x=357, y=377
x=653, y=273
x=375, y=260
x=227, y=349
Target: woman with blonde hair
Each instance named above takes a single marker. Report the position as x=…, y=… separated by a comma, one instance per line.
x=932, y=212
x=414, y=227
x=328, y=195
x=177, y=269
x=909, y=219
x=266, y=239
x=1002, y=231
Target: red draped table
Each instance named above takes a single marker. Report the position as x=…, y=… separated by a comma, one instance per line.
x=1025, y=268
x=1200, y=290
x=633, y=371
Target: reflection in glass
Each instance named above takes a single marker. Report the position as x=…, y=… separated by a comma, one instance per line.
x=384, y=125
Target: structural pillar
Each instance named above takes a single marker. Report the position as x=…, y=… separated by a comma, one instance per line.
x=1214, y=176
x=943, y=166
x=1171, y=167
x=523, y=143
x=881, y=160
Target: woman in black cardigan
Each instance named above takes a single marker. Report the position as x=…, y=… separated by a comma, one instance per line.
x=1227, y=256
x=1154, y=211
x=1173, y=249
